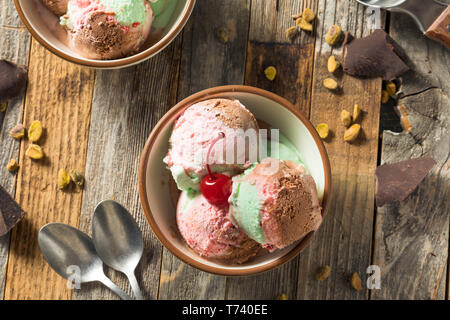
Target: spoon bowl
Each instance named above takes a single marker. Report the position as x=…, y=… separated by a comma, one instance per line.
x=118, y=240
x=65, y=247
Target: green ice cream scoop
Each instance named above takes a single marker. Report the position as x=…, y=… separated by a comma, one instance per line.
x=127, y=11
x=246, y=206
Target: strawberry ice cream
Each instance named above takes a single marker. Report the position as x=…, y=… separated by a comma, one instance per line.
x=275, y=203
x=196, y=131
x=208, y=230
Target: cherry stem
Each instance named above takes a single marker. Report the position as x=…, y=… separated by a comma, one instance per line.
x=220, y=136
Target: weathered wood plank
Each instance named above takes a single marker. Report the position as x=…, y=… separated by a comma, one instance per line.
x=344, y=240
x=126, y=105
x=213, y=54
x=411, y=238
x=269, y=46
x=59, y=95
x=14, y=47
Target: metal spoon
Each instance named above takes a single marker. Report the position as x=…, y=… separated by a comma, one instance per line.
x=65, y=247
x=432, y=16
x=118, y=240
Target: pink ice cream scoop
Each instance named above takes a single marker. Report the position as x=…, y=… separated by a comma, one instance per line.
x=275, y=203
x=195, y=133
x=107, y=29
x=208, y=230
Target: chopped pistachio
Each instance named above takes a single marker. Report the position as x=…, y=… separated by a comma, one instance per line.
x=384, y=96
x=35, y=131
x=391, y=88
x=34, y=152
x=63, y=179
x=356, y=112
x=355, y=281
x=333, y=35
x=77, y=178
x=291, y=32
x=3, y=106
x=352, y=133
x=330, y=84
x=308, y=15
x=333, y=65
x=12, y=165
x=282, y=297
x=270, y=73
x=323, y=273
x=296, y=16
x=346, y=118
x=17, y=132
x=323, y=130
x=303, y=24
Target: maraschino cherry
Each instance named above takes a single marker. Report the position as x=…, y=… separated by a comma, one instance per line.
x=216, y=188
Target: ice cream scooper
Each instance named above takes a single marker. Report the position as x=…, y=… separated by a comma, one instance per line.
x=432, y=16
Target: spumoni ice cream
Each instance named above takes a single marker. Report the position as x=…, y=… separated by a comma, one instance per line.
x=275, y=202
x=229, y=211
x=196, y=130
x=208, y=230
x=110, y=29
x=107, y=29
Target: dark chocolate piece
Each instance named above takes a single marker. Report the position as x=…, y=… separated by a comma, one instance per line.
x=10, y=212
x=12, y=79
x=396, y=181
x=376, y=55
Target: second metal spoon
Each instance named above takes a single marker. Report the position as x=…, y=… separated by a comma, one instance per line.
x=118, y=240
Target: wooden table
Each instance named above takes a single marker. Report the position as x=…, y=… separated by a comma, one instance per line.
x=98, y=122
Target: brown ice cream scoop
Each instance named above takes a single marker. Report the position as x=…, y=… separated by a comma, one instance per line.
x=104, y=38
x=58, y=7
x=289, y=204
x=232, y=113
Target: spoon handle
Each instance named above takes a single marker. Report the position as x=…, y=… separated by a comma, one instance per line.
x=135, y=286
x=114, y=288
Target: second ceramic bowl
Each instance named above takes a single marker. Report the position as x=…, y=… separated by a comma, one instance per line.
x=154, y=187
x=35, y=17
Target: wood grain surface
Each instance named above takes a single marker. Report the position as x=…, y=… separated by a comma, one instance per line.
x=293, y=59
x=14, y=47
x=224, y=37
x=120, y=124
x=344, y=240
x=98, y=121
x=59, y=94
x=411, y=243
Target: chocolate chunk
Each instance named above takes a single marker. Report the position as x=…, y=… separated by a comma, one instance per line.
x=376, y=55
x=12, y=79
x=396, y=181
x=10, y=212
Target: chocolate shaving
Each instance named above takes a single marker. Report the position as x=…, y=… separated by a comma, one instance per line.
x=10, y=212
x=12, y=79
x=396, y=181
x=376, y=55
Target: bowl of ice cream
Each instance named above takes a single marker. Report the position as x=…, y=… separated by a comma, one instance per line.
x=105, y=34
x=234, y=181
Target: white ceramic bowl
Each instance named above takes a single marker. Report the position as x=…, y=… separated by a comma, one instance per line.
x=154, y=189
x=34, y=20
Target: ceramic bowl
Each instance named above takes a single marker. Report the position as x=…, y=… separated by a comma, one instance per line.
x=154, y=186
x=34, y=16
